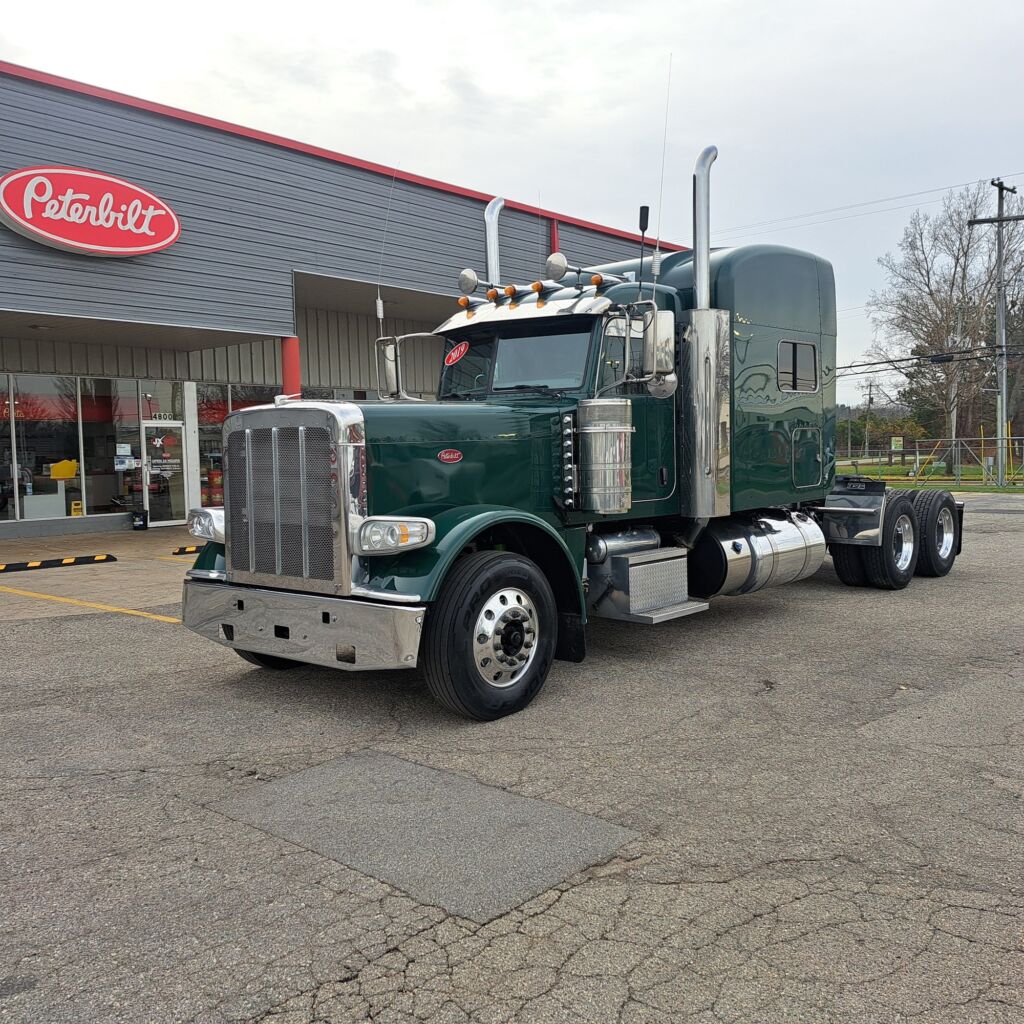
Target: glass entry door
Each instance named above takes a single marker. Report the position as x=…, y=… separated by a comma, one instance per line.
x=164, y=469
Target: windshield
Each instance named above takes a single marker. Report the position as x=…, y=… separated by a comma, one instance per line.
x=526, y=356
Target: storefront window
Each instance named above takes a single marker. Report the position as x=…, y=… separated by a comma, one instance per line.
x=111, y=445
x=162, y=400
x=46, y=435
x=213, y=407
x=243, y=396
x=7, y=474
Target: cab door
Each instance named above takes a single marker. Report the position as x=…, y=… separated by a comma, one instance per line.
x=653, y=441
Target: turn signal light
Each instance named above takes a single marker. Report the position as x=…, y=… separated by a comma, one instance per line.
x=492, y=294
x=597, y=280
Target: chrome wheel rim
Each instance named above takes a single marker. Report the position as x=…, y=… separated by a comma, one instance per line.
x=945, y=533
x=903, y=542
x=505, y=637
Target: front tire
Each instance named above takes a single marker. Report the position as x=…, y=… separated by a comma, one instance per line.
x=489, y=639
x=891, y=566
x=939, y=527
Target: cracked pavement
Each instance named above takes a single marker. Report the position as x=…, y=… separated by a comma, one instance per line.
x=826, y=785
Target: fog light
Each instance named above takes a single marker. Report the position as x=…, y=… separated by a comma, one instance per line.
x=384, y=535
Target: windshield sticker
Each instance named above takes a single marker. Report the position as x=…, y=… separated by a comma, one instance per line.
x=456, y=353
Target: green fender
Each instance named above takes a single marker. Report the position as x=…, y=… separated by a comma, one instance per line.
x=210, y=557
x=422, y=572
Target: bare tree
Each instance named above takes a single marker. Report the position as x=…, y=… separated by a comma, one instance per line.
x=939, y=301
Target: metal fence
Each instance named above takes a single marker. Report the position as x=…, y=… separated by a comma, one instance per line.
x=970, y=460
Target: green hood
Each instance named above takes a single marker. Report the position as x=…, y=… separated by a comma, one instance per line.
x=502, y=454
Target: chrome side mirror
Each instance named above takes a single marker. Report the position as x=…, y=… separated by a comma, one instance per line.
x=660, y=354
x=389, y=367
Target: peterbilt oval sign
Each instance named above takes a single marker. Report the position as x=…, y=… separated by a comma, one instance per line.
x=86, y=211
x=449, y=455
x=456, y=353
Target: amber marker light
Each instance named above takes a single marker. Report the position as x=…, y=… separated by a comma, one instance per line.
x=537, y=286
x=510, y=290
x=492, y=294
x=597, y=280
x=464, y=301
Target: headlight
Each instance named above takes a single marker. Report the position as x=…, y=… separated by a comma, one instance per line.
x=207, y=524
x=384, y=535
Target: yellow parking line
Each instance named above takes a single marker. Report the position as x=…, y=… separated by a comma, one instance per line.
x=88, y=604
x=180, y=559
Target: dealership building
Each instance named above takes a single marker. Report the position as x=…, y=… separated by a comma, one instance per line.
x=159, y=268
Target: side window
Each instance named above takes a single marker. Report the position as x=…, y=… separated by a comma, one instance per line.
x=798, y=366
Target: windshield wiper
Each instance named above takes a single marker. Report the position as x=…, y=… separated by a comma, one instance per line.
x=541, y=389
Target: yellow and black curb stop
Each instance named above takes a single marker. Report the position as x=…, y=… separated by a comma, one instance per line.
x=55, y=563
x=192, y=549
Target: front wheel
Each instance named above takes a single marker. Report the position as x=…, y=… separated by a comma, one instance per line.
x=489, y=639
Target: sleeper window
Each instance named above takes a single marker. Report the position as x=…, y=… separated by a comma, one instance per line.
x=798, y=366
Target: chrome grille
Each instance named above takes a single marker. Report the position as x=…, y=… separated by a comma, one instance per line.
x=280, y=501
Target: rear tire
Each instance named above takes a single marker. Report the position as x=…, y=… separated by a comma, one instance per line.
x=489, y=639
x=891, y=566
x=939, y=530
x=270, y=661
x=848, y=561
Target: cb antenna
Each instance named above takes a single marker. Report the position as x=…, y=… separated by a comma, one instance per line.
x=656, y=258
x=383, y=242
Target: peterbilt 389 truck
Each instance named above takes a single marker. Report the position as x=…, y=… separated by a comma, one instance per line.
x=627, y=441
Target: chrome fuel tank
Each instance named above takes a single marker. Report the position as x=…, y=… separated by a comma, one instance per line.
x=739, y=555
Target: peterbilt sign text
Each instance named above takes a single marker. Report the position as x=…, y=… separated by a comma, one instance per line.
x=86, y=211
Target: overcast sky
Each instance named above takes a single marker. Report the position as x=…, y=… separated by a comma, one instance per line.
x=813, y=104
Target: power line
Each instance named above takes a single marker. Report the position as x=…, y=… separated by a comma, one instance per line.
x=855, y=206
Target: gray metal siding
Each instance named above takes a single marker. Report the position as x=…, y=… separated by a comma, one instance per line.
x=588, y=248
x=337, y=350
x=251, y=213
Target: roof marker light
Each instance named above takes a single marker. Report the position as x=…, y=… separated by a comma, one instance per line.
x=537, y=286
x=492, y=294
x=510, y=290
x=464, y=301
x=597, y=280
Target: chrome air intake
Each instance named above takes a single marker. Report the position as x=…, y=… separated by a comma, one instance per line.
x=741, y=555
x=295, y=485
x=605, y=427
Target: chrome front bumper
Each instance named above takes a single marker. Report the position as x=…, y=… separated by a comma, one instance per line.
x=319, y=630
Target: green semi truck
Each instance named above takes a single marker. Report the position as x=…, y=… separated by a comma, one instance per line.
x=626, y=441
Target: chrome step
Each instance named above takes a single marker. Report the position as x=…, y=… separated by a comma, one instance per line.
x=647, y=587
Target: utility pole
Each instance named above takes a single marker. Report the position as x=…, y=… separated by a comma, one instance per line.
x=867, y=415
x=1002, y=403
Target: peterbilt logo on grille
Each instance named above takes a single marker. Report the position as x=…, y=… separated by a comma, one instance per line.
x=86, y=211
x=449, y=455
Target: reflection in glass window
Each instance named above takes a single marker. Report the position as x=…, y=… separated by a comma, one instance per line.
x=212, y=400
x=7, y=474
x=798, y=366
x=244, y=396
x=111, y=445
x=46, y=435
x=162, y=400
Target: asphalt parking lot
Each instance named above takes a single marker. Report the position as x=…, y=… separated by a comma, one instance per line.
x=812, y=797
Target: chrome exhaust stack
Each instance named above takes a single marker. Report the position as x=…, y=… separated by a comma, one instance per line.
x=705, y=362
x=702, y=227
x=491, y=214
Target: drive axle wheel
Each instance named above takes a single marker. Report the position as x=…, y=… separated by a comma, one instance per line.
x=939, y=528
x=891, y=566
x=848, y=563
x=489, y=639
